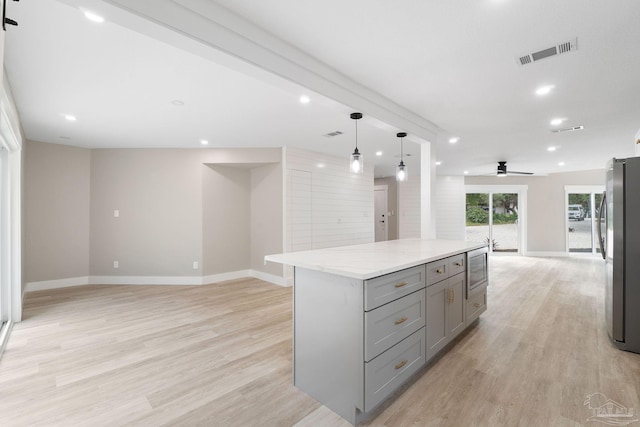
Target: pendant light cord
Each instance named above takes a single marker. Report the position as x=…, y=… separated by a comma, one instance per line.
x=356, y=134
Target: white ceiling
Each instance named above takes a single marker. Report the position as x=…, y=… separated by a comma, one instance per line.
x=451, y=63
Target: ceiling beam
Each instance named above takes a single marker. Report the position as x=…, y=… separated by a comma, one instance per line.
x=219, y=30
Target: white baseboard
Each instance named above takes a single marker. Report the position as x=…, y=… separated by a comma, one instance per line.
x=271, y=278
x=152, y=280
x=222, y=277
x=145, y=280
x=545, y=254
x=560, y=254
x=55, y=284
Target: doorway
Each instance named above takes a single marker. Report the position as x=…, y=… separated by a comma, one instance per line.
x=381, y=212
x=581, y=214
x=496, y=215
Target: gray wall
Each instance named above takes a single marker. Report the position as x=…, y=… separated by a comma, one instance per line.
x=174, y=208
x=225, y=226
x=545, y=204
x=56, y=202
x=266, y=217
x=158, y=194
x=392, y=202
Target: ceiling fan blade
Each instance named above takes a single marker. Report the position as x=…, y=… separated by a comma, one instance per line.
x=520, y=173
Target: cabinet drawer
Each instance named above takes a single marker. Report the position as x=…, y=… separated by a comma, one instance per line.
x=386, y=372
x=384, y=289
x=476, y=305
x=437, y=271
x=457, y=264
x=387, y=325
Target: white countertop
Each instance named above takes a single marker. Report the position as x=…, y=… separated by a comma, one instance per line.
x=370, y=260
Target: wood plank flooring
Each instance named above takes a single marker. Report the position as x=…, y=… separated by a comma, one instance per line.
x=220, y=355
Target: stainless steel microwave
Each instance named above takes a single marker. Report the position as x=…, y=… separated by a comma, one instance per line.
x=477, y=270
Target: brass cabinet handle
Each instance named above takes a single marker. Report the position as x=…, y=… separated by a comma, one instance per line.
x=399, y=321
x=439, y=271
x=401, y=284
x=458, y=264
x=451, y=295
x=477, y=304
x=401, y=364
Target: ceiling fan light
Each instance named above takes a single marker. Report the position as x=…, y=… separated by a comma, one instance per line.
x=502, y=168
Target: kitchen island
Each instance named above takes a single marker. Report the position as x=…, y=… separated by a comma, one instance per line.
x=367, y=317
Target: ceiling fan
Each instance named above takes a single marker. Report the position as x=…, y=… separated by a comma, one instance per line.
x=502, y=170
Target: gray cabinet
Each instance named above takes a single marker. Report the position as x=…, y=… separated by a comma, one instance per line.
x=475, y=306
x=456, y=286
x=357, y=341
x=384, y=374
x=445, y=312
x=393, y=322
x=383, y=289
x=394, y=337
x=446, y=304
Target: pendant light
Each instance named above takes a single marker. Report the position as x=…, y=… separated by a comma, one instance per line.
x=402, y=172
x=356, y=163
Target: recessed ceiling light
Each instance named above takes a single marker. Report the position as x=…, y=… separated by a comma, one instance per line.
x=561, y=164
x=544, y=90
x=454, y=140
x=177, y=103
x=438, y=163
x=321, y=165
x=70, y=117
x=466, y=172
x=378, y=153
x=551, y=148
x=93, y=17
x=304, y=99
x=556, y=122
x=204, y=142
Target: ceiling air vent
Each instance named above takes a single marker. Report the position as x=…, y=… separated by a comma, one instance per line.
x=558, y=49
x=567, y=129
x=332, y=134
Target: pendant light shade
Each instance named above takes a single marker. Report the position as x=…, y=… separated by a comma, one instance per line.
x=356, y=163
x=402, y=172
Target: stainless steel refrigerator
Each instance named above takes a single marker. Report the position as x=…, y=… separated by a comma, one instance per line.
x=619, y=212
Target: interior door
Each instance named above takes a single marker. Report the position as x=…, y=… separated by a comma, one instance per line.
x=381, y=213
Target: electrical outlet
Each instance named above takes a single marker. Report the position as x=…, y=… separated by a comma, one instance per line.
x=195, y=265
x=116, y=264
x=116, y=213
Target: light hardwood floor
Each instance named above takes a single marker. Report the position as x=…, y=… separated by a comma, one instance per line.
x=220, y=355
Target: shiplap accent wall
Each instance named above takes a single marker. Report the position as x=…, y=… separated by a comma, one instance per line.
x=326, y=204
x=450, y=207
x=409, y=208
x=299, y=218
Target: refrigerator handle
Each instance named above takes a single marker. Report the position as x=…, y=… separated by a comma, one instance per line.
x=603, y=206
